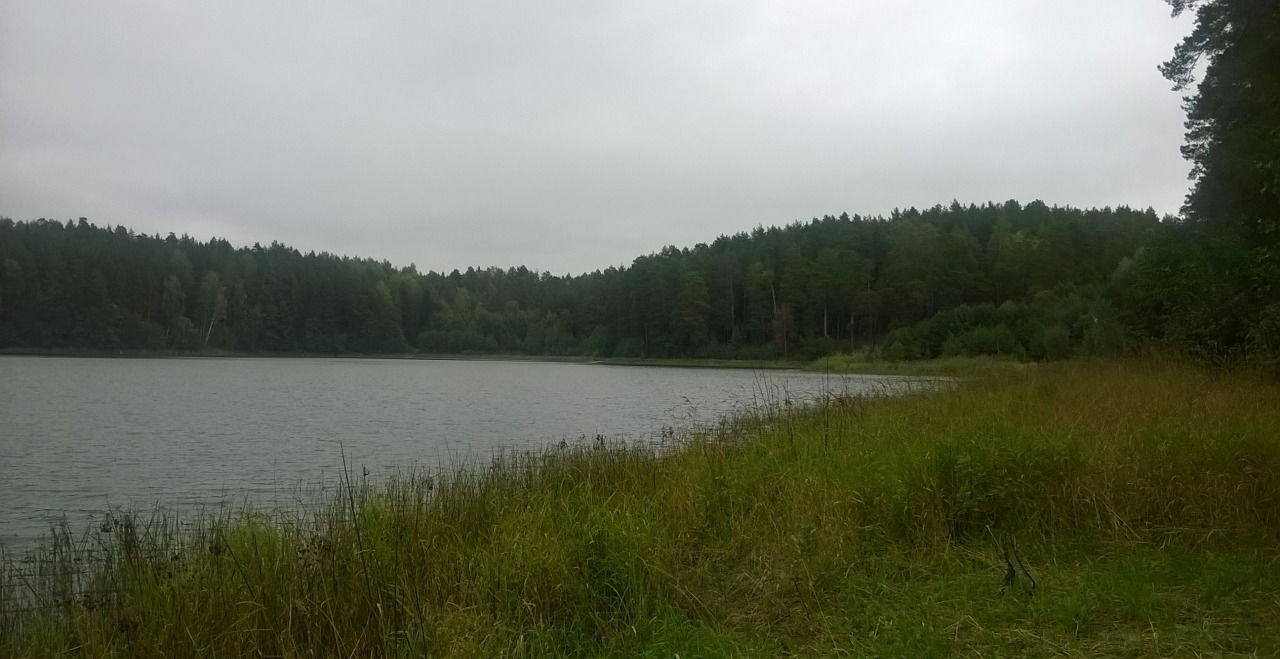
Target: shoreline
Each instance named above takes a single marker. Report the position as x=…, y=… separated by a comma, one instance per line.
x=226, y=354
x=823, y=522
x=839, y=364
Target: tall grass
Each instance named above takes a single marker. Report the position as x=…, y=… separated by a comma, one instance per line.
x=1144, y=499
x=959, y=366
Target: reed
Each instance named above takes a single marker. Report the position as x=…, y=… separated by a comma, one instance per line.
x=1142, y=498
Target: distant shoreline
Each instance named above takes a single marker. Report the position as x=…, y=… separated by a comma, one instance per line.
x=836, y=365
x=227, y=354
x=551, y=359
x=690, y=362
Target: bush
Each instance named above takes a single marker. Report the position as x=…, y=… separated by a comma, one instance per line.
x=630, y=347
x=138, y=334
x=1050, y=326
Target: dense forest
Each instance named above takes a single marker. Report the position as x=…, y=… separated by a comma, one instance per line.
x=1029, y=281
x=1013, y=279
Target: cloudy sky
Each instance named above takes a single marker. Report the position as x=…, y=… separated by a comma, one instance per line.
x=570, y=136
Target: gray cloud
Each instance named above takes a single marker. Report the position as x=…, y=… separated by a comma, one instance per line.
x=571, y=136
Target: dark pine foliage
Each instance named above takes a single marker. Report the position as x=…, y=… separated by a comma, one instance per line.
x=1233, y=118
x=797, y=291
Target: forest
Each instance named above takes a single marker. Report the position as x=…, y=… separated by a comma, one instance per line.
x=1007, y=278
x=1027, y=281
x=1123, y=506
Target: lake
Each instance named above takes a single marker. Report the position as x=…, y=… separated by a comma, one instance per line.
x=80, y=436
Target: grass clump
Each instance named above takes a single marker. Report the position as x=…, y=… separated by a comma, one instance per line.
x=1143, y=499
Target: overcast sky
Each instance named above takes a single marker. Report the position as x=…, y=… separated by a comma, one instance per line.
x=571, y=136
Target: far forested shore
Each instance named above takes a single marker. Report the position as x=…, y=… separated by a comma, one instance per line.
x=1022, y=282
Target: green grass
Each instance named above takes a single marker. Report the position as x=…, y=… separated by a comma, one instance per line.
x=1144, y=499
x=943, y=366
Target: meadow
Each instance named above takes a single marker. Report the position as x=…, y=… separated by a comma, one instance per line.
x=1085, y=508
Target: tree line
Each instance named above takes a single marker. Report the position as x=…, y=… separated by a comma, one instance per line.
x=804, y=289
x=1030, y=281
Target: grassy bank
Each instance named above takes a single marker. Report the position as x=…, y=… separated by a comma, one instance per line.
x=1081, y=508
x=942, y=366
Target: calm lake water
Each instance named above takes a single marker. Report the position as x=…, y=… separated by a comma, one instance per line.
x=80, y=436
